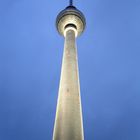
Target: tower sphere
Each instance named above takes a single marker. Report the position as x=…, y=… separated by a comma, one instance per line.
x=70, y=17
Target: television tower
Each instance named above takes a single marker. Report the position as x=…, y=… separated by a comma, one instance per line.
x=70, y=23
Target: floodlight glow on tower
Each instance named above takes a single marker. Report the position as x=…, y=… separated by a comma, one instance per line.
x=70, y=23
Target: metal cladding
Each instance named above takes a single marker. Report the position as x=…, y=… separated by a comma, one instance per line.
x=68, y=121
x=70, y=15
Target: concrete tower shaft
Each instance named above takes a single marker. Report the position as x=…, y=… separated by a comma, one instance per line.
x=68, y=123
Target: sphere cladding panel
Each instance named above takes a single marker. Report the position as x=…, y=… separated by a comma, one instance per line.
x=70, y=19
x=70, y=15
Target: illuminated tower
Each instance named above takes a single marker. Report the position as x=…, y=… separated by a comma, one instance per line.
x=68, y=122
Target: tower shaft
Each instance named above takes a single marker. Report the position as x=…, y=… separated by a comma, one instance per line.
x=68, y=121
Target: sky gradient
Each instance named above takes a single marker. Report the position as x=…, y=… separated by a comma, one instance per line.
x=109, y=65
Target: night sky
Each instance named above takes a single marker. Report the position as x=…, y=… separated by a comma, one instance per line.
x=109, y=65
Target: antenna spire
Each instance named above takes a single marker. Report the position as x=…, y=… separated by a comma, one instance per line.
x=71, y=2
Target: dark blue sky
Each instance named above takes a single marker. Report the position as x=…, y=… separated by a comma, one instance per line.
x=109, y=63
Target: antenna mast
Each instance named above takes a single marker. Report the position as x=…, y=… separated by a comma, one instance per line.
x=71, y=2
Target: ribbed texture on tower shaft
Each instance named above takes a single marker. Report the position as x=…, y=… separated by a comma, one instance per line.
x=68, y=121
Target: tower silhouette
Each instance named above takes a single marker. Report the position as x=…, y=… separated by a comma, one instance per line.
x=70, y=23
